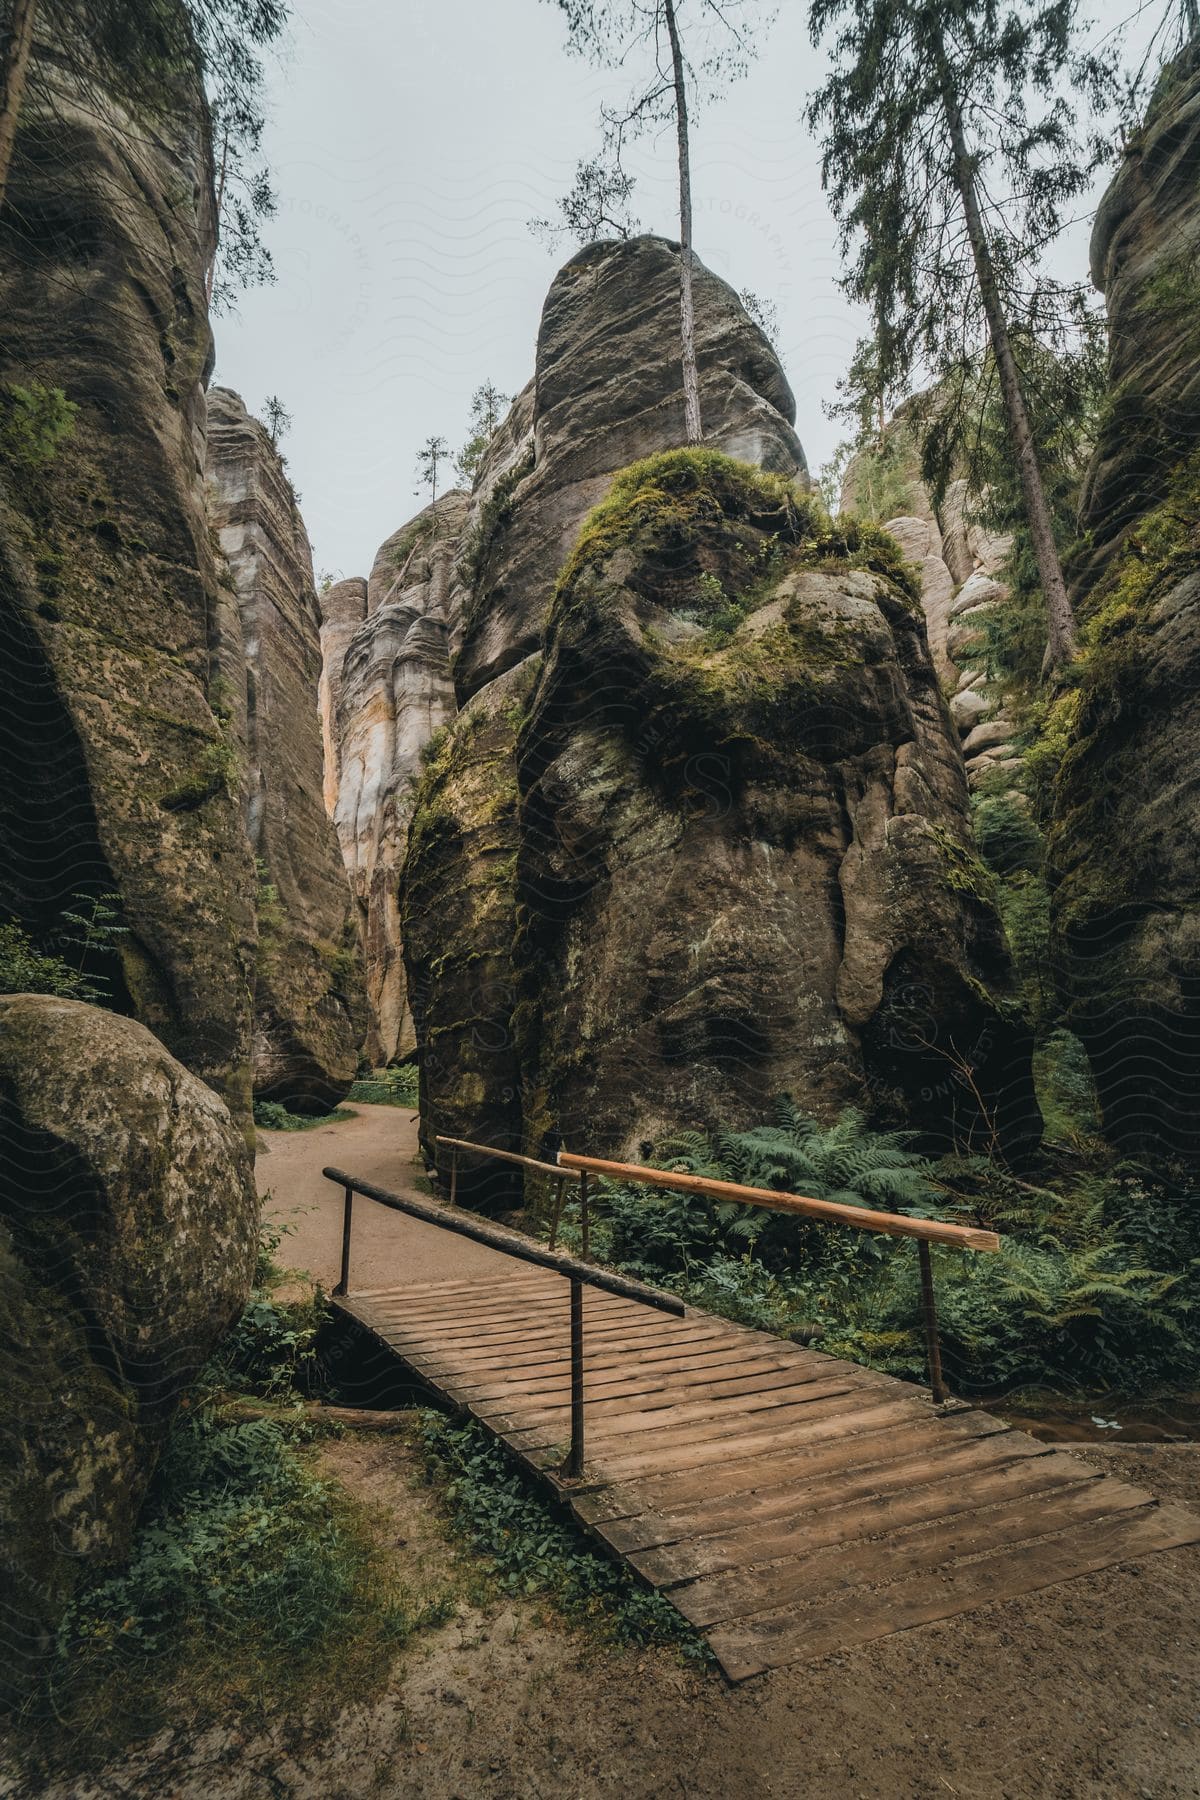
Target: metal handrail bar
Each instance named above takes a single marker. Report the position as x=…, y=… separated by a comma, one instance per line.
x=511, y=1243
x=454, y=1145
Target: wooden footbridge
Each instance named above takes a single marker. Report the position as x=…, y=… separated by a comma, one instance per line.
x=787, y=1502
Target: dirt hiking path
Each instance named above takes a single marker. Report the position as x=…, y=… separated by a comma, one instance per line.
x=380, y=1145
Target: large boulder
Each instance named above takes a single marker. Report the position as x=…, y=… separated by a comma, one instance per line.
x=389, y=680
x=123, y=658
x=745, y=865
x=127, y=1245
x=607, y=390
x=308, y=1010
x=1123, y=746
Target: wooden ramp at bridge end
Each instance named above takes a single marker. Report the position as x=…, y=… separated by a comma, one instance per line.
x=789, y=1504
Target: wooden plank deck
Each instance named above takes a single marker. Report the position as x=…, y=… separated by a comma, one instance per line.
x=788, y=1503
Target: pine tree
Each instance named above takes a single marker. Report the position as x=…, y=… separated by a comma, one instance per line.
x=433, y=453
x=488, y=406
x=276, y=418
x=950, y=151
x=611, y=33
x=595, y=207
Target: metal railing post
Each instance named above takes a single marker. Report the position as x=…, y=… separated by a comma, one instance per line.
x=583, y=1212
x=573, y=1468
x=343, y=1286
x=933, y=1348
x=453, y=1176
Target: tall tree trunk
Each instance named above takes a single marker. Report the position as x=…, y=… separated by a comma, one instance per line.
x=1060, y=621
x=14, y=68
x=219, y=201
x=687, y=311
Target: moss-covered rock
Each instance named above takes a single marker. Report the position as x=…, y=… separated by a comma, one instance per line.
x=1119, y=773
x=123, y=654
x=607, y=391
x=745, y=865
x=1117, y=764
x=128, y=1228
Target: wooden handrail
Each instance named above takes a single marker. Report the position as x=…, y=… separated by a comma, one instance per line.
x=833, y=1212
x=510, y=1156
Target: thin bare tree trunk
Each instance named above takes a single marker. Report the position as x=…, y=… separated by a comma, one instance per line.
x=14, y=68
x=687, y=312
x=210, y=278
x=1060, y=621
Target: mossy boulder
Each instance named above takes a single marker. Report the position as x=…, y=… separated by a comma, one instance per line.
x=744, y=864
x=128, y=1228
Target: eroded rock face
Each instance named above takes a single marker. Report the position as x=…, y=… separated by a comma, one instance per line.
x=122, y=664
x=308, y=990
x=458, y=916
x=957, y=560
x=607, y=391
x=745, y=866
x=715, y=845
x=128, y=1232
x=1123, y=845
x=390, y=683
x=1144, y=246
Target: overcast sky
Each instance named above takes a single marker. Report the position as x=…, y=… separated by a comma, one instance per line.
x=409, y=144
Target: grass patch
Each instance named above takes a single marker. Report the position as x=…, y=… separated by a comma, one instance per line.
x=532, y=1550
x=388, y=1087
x=256, y=1585
x=272, y=1116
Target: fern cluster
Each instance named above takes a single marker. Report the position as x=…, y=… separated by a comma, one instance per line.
x=1095, y=1286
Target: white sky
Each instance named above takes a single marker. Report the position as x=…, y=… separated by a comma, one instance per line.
x=409, y=143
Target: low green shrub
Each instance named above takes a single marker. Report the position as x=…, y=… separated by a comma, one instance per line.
x=533, y=1550
x=388, y=1087
x=86, y=934
x=272, y=1116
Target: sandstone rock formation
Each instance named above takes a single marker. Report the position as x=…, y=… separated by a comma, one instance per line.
x=606, y=391
x=745, y=866
x=957, y=559
x=308, y=990
x=716, y=844
x=122, y=655
x=1123, y=849
x=458, y=912
x=388, y=689
x=1144, y=250
x=128, y=1231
